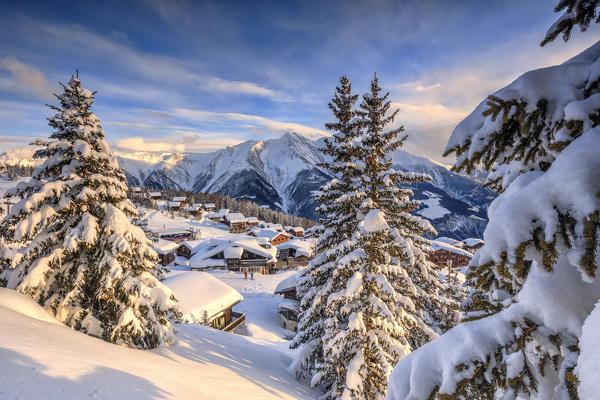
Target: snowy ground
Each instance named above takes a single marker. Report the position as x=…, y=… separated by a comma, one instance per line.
x=432, y=208
x=42, y=359
x=206, y=228
x=259, y=304
x=42, y=356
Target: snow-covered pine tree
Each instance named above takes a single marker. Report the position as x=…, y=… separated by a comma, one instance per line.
x=338, y=207
x=383, y=297
x=72, y=246
x=535, y=335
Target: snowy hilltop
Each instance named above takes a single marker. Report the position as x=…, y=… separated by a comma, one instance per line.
x=283, y=173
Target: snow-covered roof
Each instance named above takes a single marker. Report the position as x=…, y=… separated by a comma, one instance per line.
x=287, y=228
x=154, y=194
x=288, y=283
x=297, y=229
x=217, y=246
x=472, y=242
x=198, y=292
x=209, y=205
x=164, y=246
x=195, y=207
x=438, y=245
x=290, y=304
x=303, y=247
x=194, y=245
x=219, y=214
x=174, y=204
x=270, y=225
x=235, y=218
x=251, y=219
x=180, y=199
x=182, y=261
x=233, y=252
x=268, y=233
x=448, y=240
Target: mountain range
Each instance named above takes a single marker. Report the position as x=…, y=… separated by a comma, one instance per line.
x=282, y=173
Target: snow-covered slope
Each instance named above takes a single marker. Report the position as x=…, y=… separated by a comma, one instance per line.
x=43, y=359
x=282, y=173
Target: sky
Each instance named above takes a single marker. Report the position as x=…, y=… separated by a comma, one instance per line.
x=196, y=76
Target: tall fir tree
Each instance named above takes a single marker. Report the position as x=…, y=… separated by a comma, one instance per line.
x=378, y=297
x=69, y=241
x=338, y=207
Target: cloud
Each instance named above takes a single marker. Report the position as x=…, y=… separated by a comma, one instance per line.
x=159, y=114
x=434, y=103
x=428, y=114
x=139, y=143
x=254, y=123
x=28, y=81
x=21, y=140
x=239, y=87
x=425, y=88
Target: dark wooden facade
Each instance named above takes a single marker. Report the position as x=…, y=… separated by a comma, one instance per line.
x=238, y=227
x=444, y=257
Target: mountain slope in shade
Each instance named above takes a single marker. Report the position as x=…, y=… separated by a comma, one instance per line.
x=282, y=173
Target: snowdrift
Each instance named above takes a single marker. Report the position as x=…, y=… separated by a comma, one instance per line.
x=42, y=359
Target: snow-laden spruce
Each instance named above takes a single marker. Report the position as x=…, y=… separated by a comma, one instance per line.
x=378, y=296
x=539, y=138
x=338, y=207
x=69, y=243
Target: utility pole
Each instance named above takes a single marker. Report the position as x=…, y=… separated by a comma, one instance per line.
x=8, y=204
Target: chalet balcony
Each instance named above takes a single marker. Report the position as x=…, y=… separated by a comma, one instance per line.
x=237, y=319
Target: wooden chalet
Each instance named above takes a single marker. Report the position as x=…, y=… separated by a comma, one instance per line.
x=289, y=308
x=295, y=249
x=172, y=234
x=251, y=222
x=236, y=222
x=239, y=254
x=206, y=300
x=181, y=200
x=165, y=250
x=195, y=210
x=472, y=244
x=174, y=205
x=189, y=247
x=210, y=207
x=218, y=216
x=445, y=254
x=297, y=231
x=154, y=195
x=273, y=236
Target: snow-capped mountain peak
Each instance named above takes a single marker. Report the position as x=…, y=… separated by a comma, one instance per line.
x=283, y=172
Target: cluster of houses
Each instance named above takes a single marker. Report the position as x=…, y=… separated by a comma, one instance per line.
x=180, y=204
x=238, y=223
x=262, y=250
